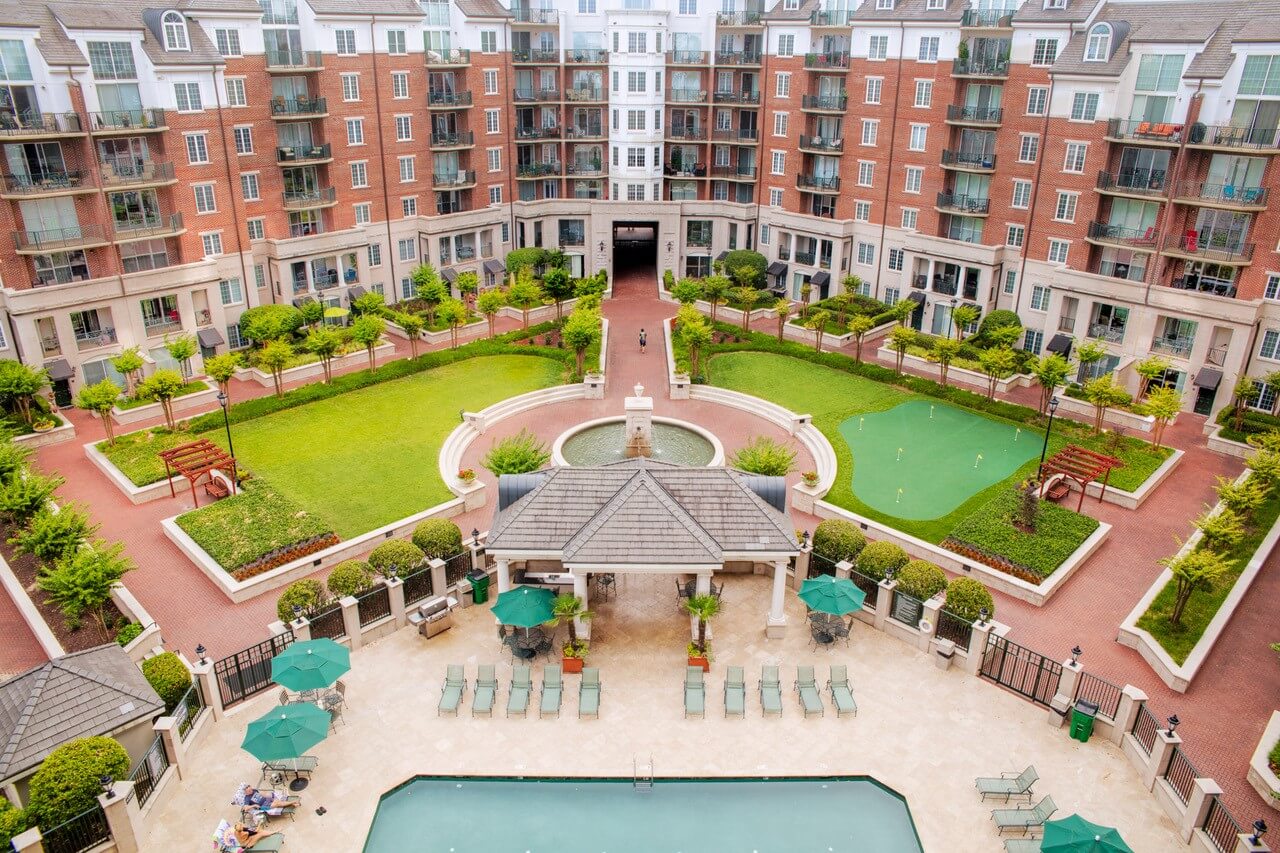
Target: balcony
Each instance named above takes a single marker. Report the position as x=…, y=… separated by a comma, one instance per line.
x=686, y=96
x=124, y=172
x=827, y=61
x=128, y=121
x=586, y=94
x=980, y=67
x=454, y=58
x=536, y=95
x=103, y=337
x=967, y=161
x=537, y=133
x=806, y=259
x=54, y=239
x=685, y=170
x=824, y=103
x=147, y=227
x=963, y=204
x=840, y=19
x=698, y=241
x=313, y=155
x=692, y=134
x=48, y=184
x=532, y=56
x=1211, y=137
x=687, y=57
x=1144, y=132
x=294, y=61
x=39, y=125
x=288, y=109
x=447, y=204
x=525, y=15
x=979, y=116
x=438, y=100
x=986, y=19
x=459, y=180
x=728, y=96
x=587, y=56
x=818, y=183
x=309, y=199
x=1217, y=248
x=738, y=57
x=1104, y=234
x=1226, y=196
x=734, y=173
x=818, y=145
x=443, y=141
x=589, y=131
x=739, y=20
x=586, y=170
x=1212, y=287
x=1177, y=347
x=746, y=135
x=1138, y=183
x=156, y=328
x=1107, y=332
x=538, y=170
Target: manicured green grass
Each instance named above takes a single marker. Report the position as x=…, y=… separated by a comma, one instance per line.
x=1203, y=605
x=1059, y=532
x=135, y=454
x=239, y=529
x=193, y=387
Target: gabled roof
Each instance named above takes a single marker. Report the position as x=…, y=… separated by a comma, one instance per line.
x=482, y=9
x=910, y=10
x=406, y=8
x=803, y=12
x=82, y=694
x=627, y=525
x=1075, y=12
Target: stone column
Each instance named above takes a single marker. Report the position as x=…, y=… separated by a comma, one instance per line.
x=843, y=568
x=803, y=561
x=395, y=592
x=884, y=602
x=776, y=627
x=1244, y=845
x=582, y=626
x=439, y=584
x=167, y=729
x=300, y=628
x=1131, y=699
x=28, y=842
x=1202, y=794
x=351, y=620
x=978, y=640
x=203, y=672
x=475, y=546
x=1060, y=705
x=504, y=575
x=124, y=816
x=929, y=613
x=1158, y=761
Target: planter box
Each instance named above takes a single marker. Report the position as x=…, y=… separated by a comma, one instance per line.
x=315, y=370
x=955, y=375
x=470, y=331
x=140, y=647
x=1260, y=775
x=1082, y=410
x=792, y=332
x=1216, y=442
x=135, y=494
x=572, y=665
x=57, y=435
x=1134, y=499
x=154, y=411
x=703, y=662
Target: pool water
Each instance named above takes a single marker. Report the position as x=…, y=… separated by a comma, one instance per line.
x=496, y=815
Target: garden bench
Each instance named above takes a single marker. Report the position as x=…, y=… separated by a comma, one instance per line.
x=216, y=489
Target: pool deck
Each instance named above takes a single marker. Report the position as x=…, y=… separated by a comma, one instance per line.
x=921, y=731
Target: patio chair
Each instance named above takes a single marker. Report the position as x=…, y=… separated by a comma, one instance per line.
x=335, y=716
x=258, y=815
x=552, y=688
x=589, y=693
x=841, y=694
x=521, y=687
x=1008, y=784
x=284, y=697
x=455, y=684
x=224, y=840
x=486, y=691
x=735, y=693
x=695, y=692
x=807, y=688
x=1022, y=845
x=770, y=691
x=1024, y=819
x=278, y=771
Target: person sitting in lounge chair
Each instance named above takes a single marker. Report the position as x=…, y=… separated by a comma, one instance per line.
x=247, y=837
x=268, y=801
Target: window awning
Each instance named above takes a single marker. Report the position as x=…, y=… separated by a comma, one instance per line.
x=777, y=268
x=494, y=267
x=209, y=338
x=59, y=368
x=917, y=297
x=298, y=300
x=450, y=275
x=1208, y=378
x=722, y=256
x=355, y=292
x=1061, y=344
x=820, y=279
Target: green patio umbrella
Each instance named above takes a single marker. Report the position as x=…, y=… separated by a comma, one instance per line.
x=524, y=606
x=1074, y=834
x=286, y=731
x=310, y=665
x=836, y=596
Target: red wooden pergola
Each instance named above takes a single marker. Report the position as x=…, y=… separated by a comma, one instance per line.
x=1083, y=466
x=194, y=460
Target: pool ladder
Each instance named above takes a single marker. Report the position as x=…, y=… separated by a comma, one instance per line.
x=642, y=776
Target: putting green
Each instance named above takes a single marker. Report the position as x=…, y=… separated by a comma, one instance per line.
x=938, y=467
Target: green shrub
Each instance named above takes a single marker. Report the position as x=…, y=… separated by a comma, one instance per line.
x=879, y=558
x=1059, y=531
x=967, y=597
x=396, y=554
x=13, y=821
x=516, y=454
x=349, y=577
x=838, y=539
x=1273, y=757
x=168, y=676
x=998, y=319
x=128, y=633
x=67, y=782
x=49, y=536
x=307, y=593
x=438, y=538
x=921, y=579
x=765, y=456
x=240, y=529
x=270, y=322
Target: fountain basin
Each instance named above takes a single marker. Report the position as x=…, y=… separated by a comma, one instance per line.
x=603, y=440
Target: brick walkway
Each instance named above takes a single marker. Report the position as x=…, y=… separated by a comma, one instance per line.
x=1240, y=678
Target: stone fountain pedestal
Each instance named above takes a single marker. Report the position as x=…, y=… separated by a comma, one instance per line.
x=639, y=412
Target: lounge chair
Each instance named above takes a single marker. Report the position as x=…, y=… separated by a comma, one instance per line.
x=841, y=695
x=695, y=692
x=521, y=687
x=455, y=684
x=1024, y=819
x=589, y=693
x=770, y=691
x=1008, y=784
x=1022, y=845
x=486, y=691
x=282, y=769
x=224, y=840
x=735, y=693
x=552, y=688
x=250, y=812
x=807, y=688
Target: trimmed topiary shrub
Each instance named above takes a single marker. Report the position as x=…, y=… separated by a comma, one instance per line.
x=349, y=577
x=128, y=633
x=67, y=782
x=306, y=593
x=878, y=558
x=270, y=322
x=396, y=554
x=921, y=579
x=438, y=538
x=168, y=676
x=998, y=319
x=967, y=597
x=838, y=539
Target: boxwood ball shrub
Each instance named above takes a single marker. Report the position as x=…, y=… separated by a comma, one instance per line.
x=967, y=598
x=879, y=558
x=67, y=782
x=168, y=676
x=438, y=538
x=838, y=539
x=306, y=593
x=396, y=554
x=349, y=577
x=921, y=579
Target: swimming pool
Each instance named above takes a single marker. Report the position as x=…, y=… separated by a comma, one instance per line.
x=454, y=814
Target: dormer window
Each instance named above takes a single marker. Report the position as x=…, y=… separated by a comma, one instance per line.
x=175, y=31
x=1055, y=4
x=935, y=4
x=886, y=5
x=1098, y=47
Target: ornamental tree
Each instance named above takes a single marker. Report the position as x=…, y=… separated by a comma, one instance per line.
x=1049, y=371
x=559, y=286
x=453, y=314
x=430, y=288
x=859, y=326
x=943, y=352
x=687, y=291
x=412, y=325
x=1245, y=392
x=781, y=312
x=517, y=454
x=817, y=323
x=696, y=336
x=765, y=456
x=1163, y=404
x=1150, y=368
x=81, y=582
x=963, y=317
x=367, y=331
x=714, y=289
x=49, y=536
x=579, y=333
x=1194, y=570
x=128, y=363
x=269, y=322
x=19, y=385
x=182, y=350
x=490, y=303
x=900, y=339
x=100, y=398
x=996, y=364
x=1104, y=394
x=275, y=356
x=525, y=295
x=746, y=297
x=324, y=344
x=220, y=368
x=162, y=386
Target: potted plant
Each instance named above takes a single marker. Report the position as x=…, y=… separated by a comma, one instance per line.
x=567, y=609
x=467, y=475
x=810, y=478
x=43, y=423
x=704, y=607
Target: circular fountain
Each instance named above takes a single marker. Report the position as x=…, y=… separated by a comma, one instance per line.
x=637, y=433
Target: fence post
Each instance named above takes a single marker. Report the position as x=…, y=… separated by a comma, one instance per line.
x=1243, y=845
x=843, y=568
x=1202, y=793
x=202, y=671
x=167, y=729
x=929, y=613
x=1158, y=761
x=804, y=560
x=301, y=628
x=124, y=817
x=475, y=546
x=884, y=603
x=978, y=640
x=395, y=593
x=1060, y=705
x=351, y=620
x=438, y=584
x=1131, y=699
x=28, y=842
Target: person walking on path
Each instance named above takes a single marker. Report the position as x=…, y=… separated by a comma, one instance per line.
x=644, y=339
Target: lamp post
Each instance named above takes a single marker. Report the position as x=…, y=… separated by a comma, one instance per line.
x=1076, y=651
x=1053, y=408
x=951, y=317
x=223, y=400
x=200, y=652
x=1173, y=723
x=1259, y=830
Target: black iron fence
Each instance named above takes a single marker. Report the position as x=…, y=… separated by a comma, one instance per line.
x=869, y=586
x=82, y=832
x=1100, y=691
x=248, y=671
x=456, y=568
x=417, y=586
x=906, y=609
x=1144, y=729
x=1027, y=673
x=1221, y=828
x=952, y=627
x=820, y=565
x=146, y=775
x=1181, y=775
x=328, y=622
x=187, y=709
x=373, y=605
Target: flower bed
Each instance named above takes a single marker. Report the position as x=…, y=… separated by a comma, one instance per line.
x=990, y=537
x=287, y=554
x=241, y=531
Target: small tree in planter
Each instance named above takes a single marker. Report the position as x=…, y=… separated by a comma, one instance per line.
x=467, y=284
x=306, y=594
x=221, y=368
x=1220, y=530
x=1150, y=368
x=579, y=332
x=1104, y=394
x=367, y=330
x=996, y=364
x=714, y=288
x=21, y=383
x=843, y=300
x=21, y=497
x=128, y=364
x=100, y=398
x=880, y=559
x=963, y=317
x=765, y=456
x=324, y=344
x=747, y=298
x=944, y=350
x=1245, y=393
x=412, y=325
x=349, y=578
x=559, y=286
x=525, y=295
x=705, y=608
x=82, y=582
x=900, y=339
x=1049, y=371
x=568, y=608
x=696, y=335
x=687, y=291
x=1089, y=354
x=275, y=356
x=438, y=538
x=517, y=454
x=1242, y=498
x=1028, y=507
x=1265, y=465
x=1198, y=569
x=50, y=536
x=817, y=323
x=430, y=288
x=453, y=314
x=368, y=303
x=162, y=386
x=1163, y=404
x=781, y=313
x=1272, y=381
x=806, y=290
x=903, y=310
x=312, y=312
x=859, y=326
x=182, y=350
x=490, y=303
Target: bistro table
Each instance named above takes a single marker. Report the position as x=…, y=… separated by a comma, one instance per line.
x=526, y=645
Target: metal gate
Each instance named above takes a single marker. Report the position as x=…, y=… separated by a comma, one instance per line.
x=1023, y=671
x=248, y=671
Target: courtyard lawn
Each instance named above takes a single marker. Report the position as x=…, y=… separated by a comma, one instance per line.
x=239, y=529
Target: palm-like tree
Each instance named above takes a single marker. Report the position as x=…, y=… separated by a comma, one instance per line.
x=705, y=608
x=568, y=608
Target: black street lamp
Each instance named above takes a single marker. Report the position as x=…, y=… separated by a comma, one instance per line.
x=951, y=318
x=1076, y=651
x=1259, y=830
x=200, y=652
x=223, y=400
x=1053, y=408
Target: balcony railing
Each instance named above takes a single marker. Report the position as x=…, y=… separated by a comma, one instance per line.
x=303, y=199
x=980, y=67
x=739, y=19
x=588, y=56
x=687, y=96
x=157, y=327
x=969, y=160
x=1145, y=182
x=299, y=106
x=685, y=170
x=585, y=93
x=687, y=57
x=1214, y=287
x=103, y=337
x=738, y=57
x=58, y=238
x=39, y=124
x=830, y=18
x=461, y=139
x=453, y=180
x=1140, y=238
x=295, y=60
x=586, y=169
x=1230, y=136
x=818, y=183
x=974, y=115
x=1212, y=247
x=591, y=131
x=49, y=182
x=125, y=171
x=735, y=134
x=141, y=227
x=986, y=19
x=693, y=133
x=446, y=204
x=437, y=98
x=149, y=119
x=806, y=258
x=960, y=203
x=454, y=57
x=537, y=170
x=826, y=60
x=1180, y=347
x=817, y=143
x=304, y=154
x=1106, y=332
x=728, y=96
x=1226, y=194
x=528, y=54
x=828, y=103
x=1130, y=130
x=537, y=133
x=528, y=95
x=698, y=241
x=524, y=15
x=745, y=173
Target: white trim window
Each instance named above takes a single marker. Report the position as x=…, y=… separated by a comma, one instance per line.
x=928, y=51
x=1065, y=211
x=197, y=149
x=915, y=179
x=211, y=243
x=1044, y=52
x=1015, y=237
x=1058, y=250
x=1037, y=100
x=866, y=254
x=924, y=94
x=1029, y=148
x=919, y=137
x=875, y=90
x=350, y=87
x=877, y=48
x=870, y=131
x=910, y=218
x=249, y=186
x=235, y=92
x=206, y=199
x=1084, y=106
x=1269, y=348
x=1098, y=46
x=1021, y=195
x=175, y=31
x=344, y=42
x=1272, y=289
x=186, y=97
x=359, y=174
x=866, y=173
x=1039, y=297
x=355, y=131
x=243, y=135
x=1073, y=162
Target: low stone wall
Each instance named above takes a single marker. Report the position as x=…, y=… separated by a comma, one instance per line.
x=1260, y=775
x=955, y=374
x=1134, y=499
x=315, y=370
x=65, y=432
x=129, y=606
x=1082, y=410
x=1238, y=449
x=135, y=494
x=44, y=635
x=199, y=400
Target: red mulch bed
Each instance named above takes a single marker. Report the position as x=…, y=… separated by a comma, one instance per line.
x=88, y=635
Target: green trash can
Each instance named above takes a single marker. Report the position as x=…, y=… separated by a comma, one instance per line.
x=479, y=585
x=1082, y=716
